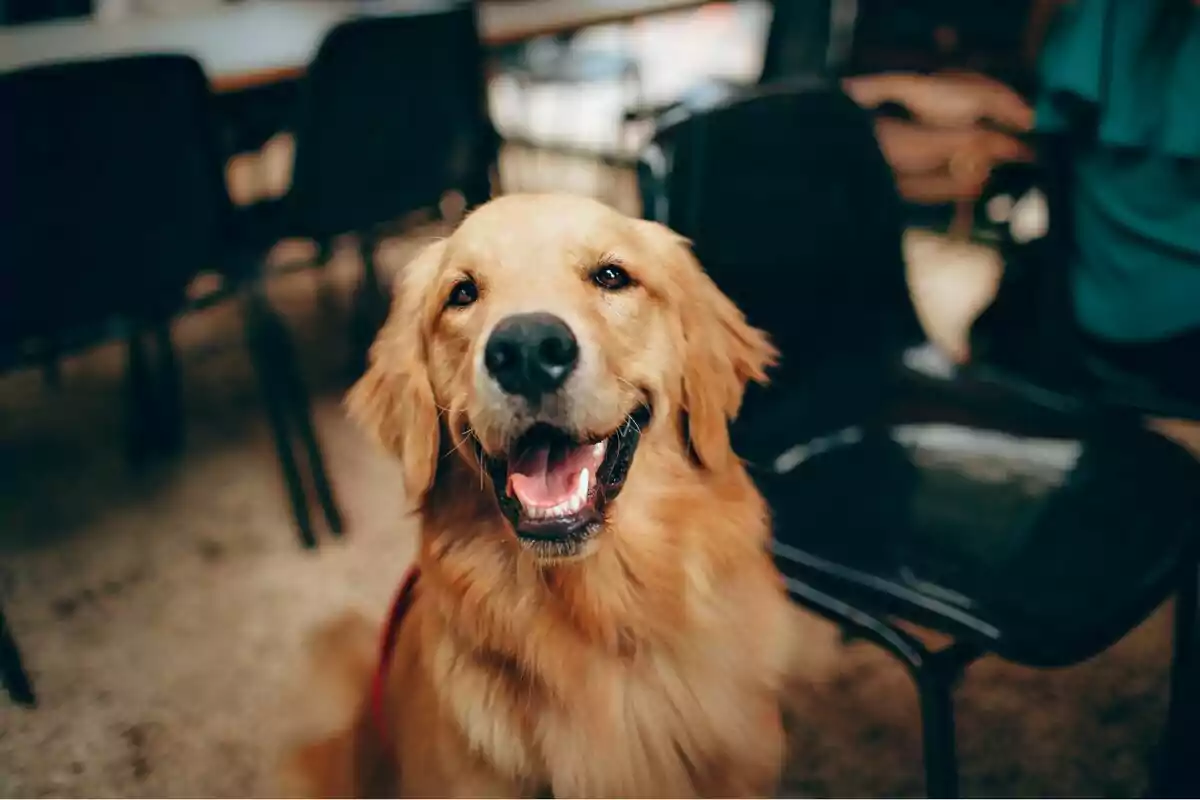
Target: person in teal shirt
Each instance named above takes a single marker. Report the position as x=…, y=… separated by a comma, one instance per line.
x=1122, y=78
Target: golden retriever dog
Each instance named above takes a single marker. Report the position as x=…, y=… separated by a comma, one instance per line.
x=596, y=613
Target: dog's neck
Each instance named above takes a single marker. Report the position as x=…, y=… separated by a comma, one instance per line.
x=667, y=539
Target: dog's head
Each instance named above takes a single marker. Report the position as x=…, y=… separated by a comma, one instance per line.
x=543, y=343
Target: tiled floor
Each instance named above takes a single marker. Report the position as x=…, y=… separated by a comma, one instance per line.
x=161, y=612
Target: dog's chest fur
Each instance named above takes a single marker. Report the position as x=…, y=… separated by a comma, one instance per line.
x=679, y=697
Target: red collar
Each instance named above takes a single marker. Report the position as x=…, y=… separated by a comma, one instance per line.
x=387, y=645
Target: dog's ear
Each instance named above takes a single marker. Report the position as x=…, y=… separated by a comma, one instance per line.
x=394, y=400
x=721, y=353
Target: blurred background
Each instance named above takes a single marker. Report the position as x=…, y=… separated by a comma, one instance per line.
x=204, y=203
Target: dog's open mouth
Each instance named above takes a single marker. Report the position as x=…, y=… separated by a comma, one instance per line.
x=554, y=486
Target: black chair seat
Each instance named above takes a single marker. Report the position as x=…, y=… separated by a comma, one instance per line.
x=1043, y=539
x=1051, y=357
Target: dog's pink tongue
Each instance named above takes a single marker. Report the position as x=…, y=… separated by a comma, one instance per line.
x=545, y=477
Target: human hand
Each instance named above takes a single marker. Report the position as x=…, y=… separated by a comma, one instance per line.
x=938, y=165
x=963, y=99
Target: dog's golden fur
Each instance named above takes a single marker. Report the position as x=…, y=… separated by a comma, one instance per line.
x=652, y=666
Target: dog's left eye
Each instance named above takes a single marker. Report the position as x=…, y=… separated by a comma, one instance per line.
x=464, y=293
x=611, y=277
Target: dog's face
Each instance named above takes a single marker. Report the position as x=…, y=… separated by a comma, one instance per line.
x=544, y=342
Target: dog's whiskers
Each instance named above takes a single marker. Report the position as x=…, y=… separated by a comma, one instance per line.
x=636, y=390
x=628, y=383
x=482, y=465
x=458, y=446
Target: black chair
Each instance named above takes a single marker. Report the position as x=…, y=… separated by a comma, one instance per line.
x=20, y=12
x=392, y=115
x=12, y=670
x=805, y=38
x=1029, y=341
x=91, y=151
x=113, y=202
x=1019, y=526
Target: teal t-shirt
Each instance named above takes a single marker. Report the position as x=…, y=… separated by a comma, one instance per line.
x=1136, y=273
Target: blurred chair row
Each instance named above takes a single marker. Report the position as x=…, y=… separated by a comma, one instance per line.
x=113, y=201
x=803, y=37
x=1033, y=519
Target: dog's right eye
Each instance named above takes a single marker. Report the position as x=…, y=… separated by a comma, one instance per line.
x=611, y=277
x=464, y=293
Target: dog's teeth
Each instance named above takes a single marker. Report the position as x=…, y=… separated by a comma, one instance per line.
x=598, y=449
x=572, y=505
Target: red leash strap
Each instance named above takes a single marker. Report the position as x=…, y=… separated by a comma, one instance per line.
x=387, y=645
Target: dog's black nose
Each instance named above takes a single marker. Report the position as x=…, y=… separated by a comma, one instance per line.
x=531, y=354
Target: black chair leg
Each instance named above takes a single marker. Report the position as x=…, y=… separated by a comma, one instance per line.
x=263, y=338
x=51, y=365
x=936, y=693
x=316, y=464
x=139, y=400
x=12, y=671
x=935, y=673
x=326, y=293
x=170, y=422
x=1179, y=775
x=293, y=388
x=370, y=308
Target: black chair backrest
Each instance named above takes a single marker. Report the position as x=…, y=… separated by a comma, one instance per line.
x=112, y=194
x=797, y=41
x=792, y=209
x=807, y=38
x=393, y=114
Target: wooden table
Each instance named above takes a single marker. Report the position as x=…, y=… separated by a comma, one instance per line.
x=257, y=42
